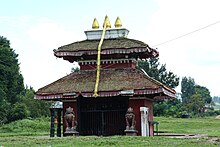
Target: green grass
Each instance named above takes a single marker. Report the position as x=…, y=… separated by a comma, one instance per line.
x=208, y=125
x=36, y=133
x=121, y=141
x=39, y=126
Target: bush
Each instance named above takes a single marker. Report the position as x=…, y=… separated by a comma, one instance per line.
x=168, y=108
x=32, y=126
x=212, y=113
x=208, y=113
x=18, y=111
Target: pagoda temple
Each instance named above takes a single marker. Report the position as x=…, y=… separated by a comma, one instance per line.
x=108, y=83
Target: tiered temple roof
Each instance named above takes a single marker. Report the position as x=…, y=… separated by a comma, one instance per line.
x=113, y=82
x=113, y=48
x=123, y=79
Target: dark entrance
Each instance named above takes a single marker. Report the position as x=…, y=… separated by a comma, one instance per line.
x=102, y=116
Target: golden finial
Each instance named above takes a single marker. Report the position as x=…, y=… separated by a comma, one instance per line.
x=95, y=24
x=108, y=25
x=118, y=23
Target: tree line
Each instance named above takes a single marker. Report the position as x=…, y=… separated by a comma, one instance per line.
x=216, y=99
x=195, y=99
x=16, y=100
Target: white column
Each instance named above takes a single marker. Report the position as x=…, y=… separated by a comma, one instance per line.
x=144, y=121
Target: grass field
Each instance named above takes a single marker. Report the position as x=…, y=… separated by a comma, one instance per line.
x=208, y=125
x=36, y=133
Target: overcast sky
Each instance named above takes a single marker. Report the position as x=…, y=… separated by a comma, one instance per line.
x=36, y=27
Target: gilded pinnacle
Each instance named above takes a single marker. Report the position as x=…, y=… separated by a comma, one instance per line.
x=95, y=24
x=108, y=25
x=118, y=23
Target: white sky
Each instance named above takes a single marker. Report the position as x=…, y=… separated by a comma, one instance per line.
x=35, y=28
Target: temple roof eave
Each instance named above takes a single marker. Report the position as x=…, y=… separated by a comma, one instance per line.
x=160, y=93
x=63, y=53
x=109, y=46
x=141, y=53
x=113, y=82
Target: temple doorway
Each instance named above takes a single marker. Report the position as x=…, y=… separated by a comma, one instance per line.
x=102, y=116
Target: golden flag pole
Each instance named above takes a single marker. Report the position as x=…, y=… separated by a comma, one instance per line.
x=105, y=25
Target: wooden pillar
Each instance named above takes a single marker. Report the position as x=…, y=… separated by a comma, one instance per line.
x=59, y=122
x=52, y=113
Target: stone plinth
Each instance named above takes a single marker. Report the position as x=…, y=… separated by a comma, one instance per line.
x=71, y=132
x=131, y=132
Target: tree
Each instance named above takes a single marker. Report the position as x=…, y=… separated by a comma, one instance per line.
x=4, y=106
x=16, y=102
x=187, y=88
x=75, y=69
x=195, y=103
x=154, y=69
x=168, y=108
x=35, y=107
x=216, y=99
x=204, y=92
x=194, y=97
x=11, y=81
x=18, y=111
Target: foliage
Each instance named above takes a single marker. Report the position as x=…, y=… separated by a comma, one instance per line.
x=195, y=103
x=18, y=111
x=35, y=107
x=211, y=113
x=168, y=108
x=194, y=97
x=216, y=99
x=11, y=80
x=154, y=69
x=16, y=102
x=204, y=92
x=187, y=88
x=26, y=126
x=216, y=106
x=4, y=107
x=75, y=69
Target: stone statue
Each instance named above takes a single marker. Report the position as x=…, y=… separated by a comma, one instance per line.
x=130, y=119
x=70, y=120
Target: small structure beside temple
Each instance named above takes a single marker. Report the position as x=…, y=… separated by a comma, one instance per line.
x=55, y=119
x=122, y=89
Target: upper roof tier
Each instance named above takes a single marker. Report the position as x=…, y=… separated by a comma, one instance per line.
x=116, y=45
x=111, y=49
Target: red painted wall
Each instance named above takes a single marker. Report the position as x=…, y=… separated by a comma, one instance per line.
x=66, y=105
x=136, y=104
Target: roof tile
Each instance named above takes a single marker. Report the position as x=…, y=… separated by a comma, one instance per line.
x=107, y=44
x=110, y=80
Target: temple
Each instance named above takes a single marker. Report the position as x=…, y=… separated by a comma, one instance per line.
x=106, y=87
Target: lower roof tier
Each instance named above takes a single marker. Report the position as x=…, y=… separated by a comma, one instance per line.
x=111, y=49
x=113, y=82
